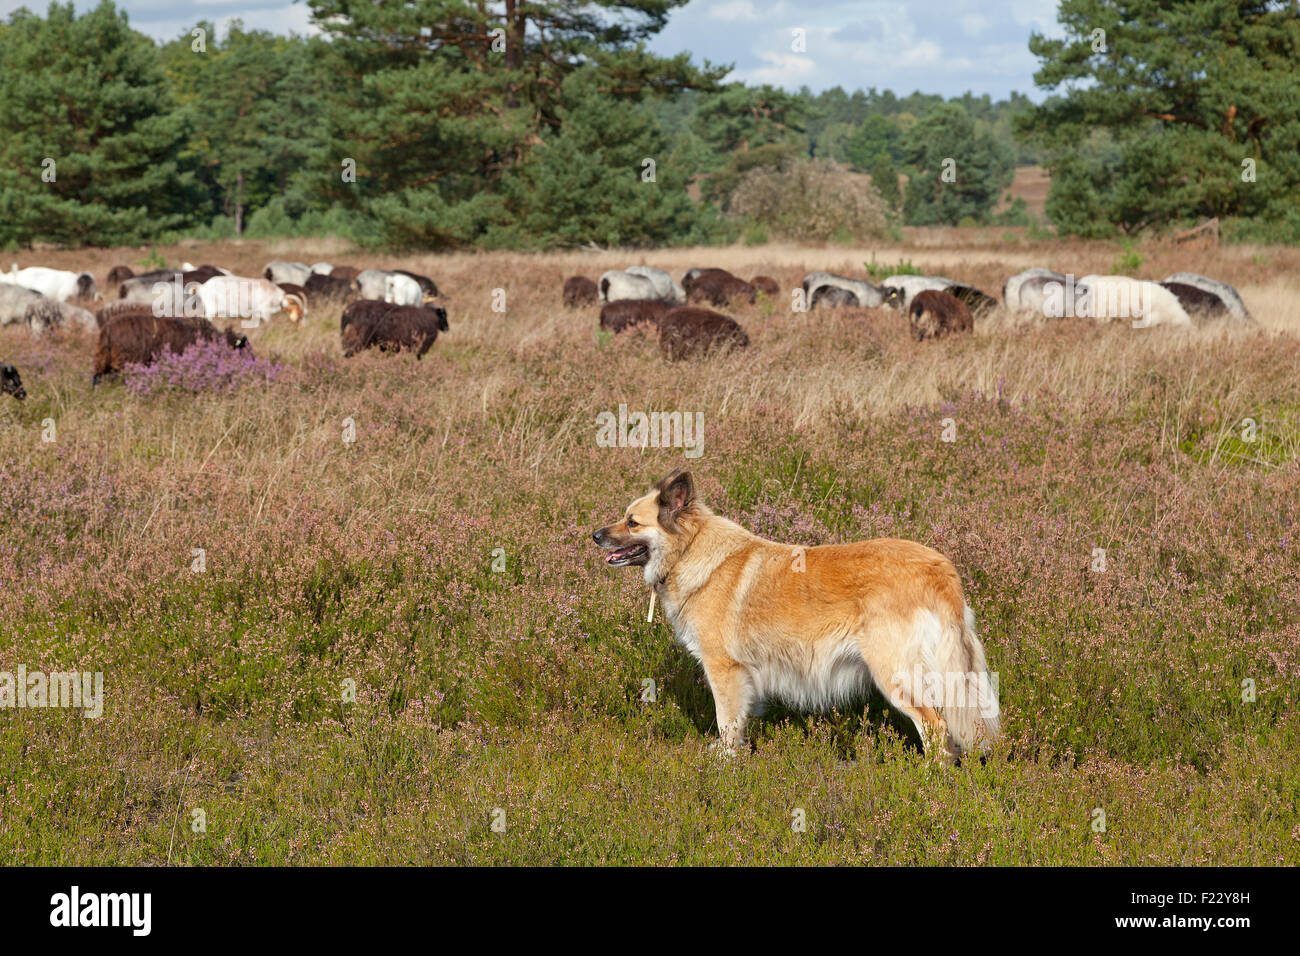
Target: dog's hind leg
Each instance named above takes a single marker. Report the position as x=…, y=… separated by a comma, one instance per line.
x=930, y=726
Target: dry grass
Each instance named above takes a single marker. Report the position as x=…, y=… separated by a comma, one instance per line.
x=372, y=562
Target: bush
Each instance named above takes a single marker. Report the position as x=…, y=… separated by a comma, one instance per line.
x=811, y=199
x=206, y=366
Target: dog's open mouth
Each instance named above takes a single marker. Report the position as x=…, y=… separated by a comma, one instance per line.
x=632, y=554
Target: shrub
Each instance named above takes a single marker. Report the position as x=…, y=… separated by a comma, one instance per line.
x=811, y=199
x=206, y=366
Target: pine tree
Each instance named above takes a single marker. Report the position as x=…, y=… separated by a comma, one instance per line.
x=91, y=137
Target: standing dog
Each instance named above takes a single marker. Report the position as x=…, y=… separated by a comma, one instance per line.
x=813, y=627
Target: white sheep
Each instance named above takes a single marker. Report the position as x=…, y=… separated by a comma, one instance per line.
x=238, y=297
x=1027, y=291
x=616, y=284
x=57, y=284
x=868, y=295
x=295, y=273
x=898, y=290
x=1120, y=297
x=666, y=289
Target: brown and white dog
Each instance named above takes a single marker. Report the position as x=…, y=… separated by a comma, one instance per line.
x=812, y=627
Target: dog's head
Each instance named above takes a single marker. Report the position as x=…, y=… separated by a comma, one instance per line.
x=651, y=529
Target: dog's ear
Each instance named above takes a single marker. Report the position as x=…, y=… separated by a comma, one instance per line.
x=676, y=494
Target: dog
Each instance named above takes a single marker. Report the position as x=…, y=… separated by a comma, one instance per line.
x=812, y=627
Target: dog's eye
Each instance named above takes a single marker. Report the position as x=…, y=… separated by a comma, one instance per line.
x=630, y=524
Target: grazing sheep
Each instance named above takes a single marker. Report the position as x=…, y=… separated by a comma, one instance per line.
x=346, y=273
x=56, y=284
x=362, y=310
x=616, y=284
x=1027, y=291
x=625, y=313
x=226, y=297
x=201, y=274
x=579, y=290
x=934, y=315
x=691, y=276
x=832, y=297
x=1198, y=303
x=899, y=290
x=46, y=314
x=119, y=274
x=321, y=268
x=427, y=288
x=144, y=288
x=718, y=287
x=1231, y=298
x=11, y=383
x=766, y=285
x=692, y=331
x=391, y=286
x=978, y=302
x=665, y=287
x=1119, y=297
x=14, y=300
x=398, y=327
x=141, y=337
x=113, y=310
x=329, y=287
x=866, y=294
x=295, y=272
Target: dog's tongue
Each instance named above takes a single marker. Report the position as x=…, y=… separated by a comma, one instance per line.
x=620, y=553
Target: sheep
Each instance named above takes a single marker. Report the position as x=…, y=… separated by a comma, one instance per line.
x=119, y=274
x=255, y=299
x=390, y=286
x=11, y=382
x=615, y=285
x=360, y=310
x=1197, y=302
x=295, y=290
x=321, y=268
x=347, y=273
x=141, y=337
x=979, y=303
x=899, y=289
x=143, y=288
x=295, y=272
x=166, y=292
x=108, y=313
x=934, y=315
x=665, y=287
x=623, y=314
x=867, y=295
x=832, y=297
x=1114, y=297
x=45, y=314
x=1231, y=298
x=14, y=300
x=1027, y=291
x=692, y=331
x=329, y=287
x=427, y=288
x=579, y=290
x=718, y=287
x=766, y=285
x=398, y=327
x=54, y=283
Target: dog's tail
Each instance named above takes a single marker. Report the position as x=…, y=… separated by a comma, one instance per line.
x=969, y=704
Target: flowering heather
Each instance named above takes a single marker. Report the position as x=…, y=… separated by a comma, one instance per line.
x=209, y=365
x=352, y=615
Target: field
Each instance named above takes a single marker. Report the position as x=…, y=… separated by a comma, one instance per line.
x=1129, y=546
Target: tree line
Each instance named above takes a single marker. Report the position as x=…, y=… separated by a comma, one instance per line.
x=540, y=123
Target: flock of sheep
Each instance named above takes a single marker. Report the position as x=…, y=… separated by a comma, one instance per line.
x=171, y=309
x=935, y=306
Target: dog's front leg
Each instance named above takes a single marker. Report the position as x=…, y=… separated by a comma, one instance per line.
x=732, y=696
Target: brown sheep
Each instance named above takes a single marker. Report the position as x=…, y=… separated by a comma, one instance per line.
x=936, y=314
x=621, y=314
x=409, y=326
x=690, y=331
x=141, y=337
x=108, y=313
x=346, y=273
x=329, y=287
x=363, y=310
x=579, y=290
x=718, y=287
x=119, y=274
x=766, y=285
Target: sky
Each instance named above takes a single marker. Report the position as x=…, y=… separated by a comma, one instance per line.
x=935, y=46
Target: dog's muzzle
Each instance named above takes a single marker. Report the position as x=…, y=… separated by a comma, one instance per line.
x=621, y=555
